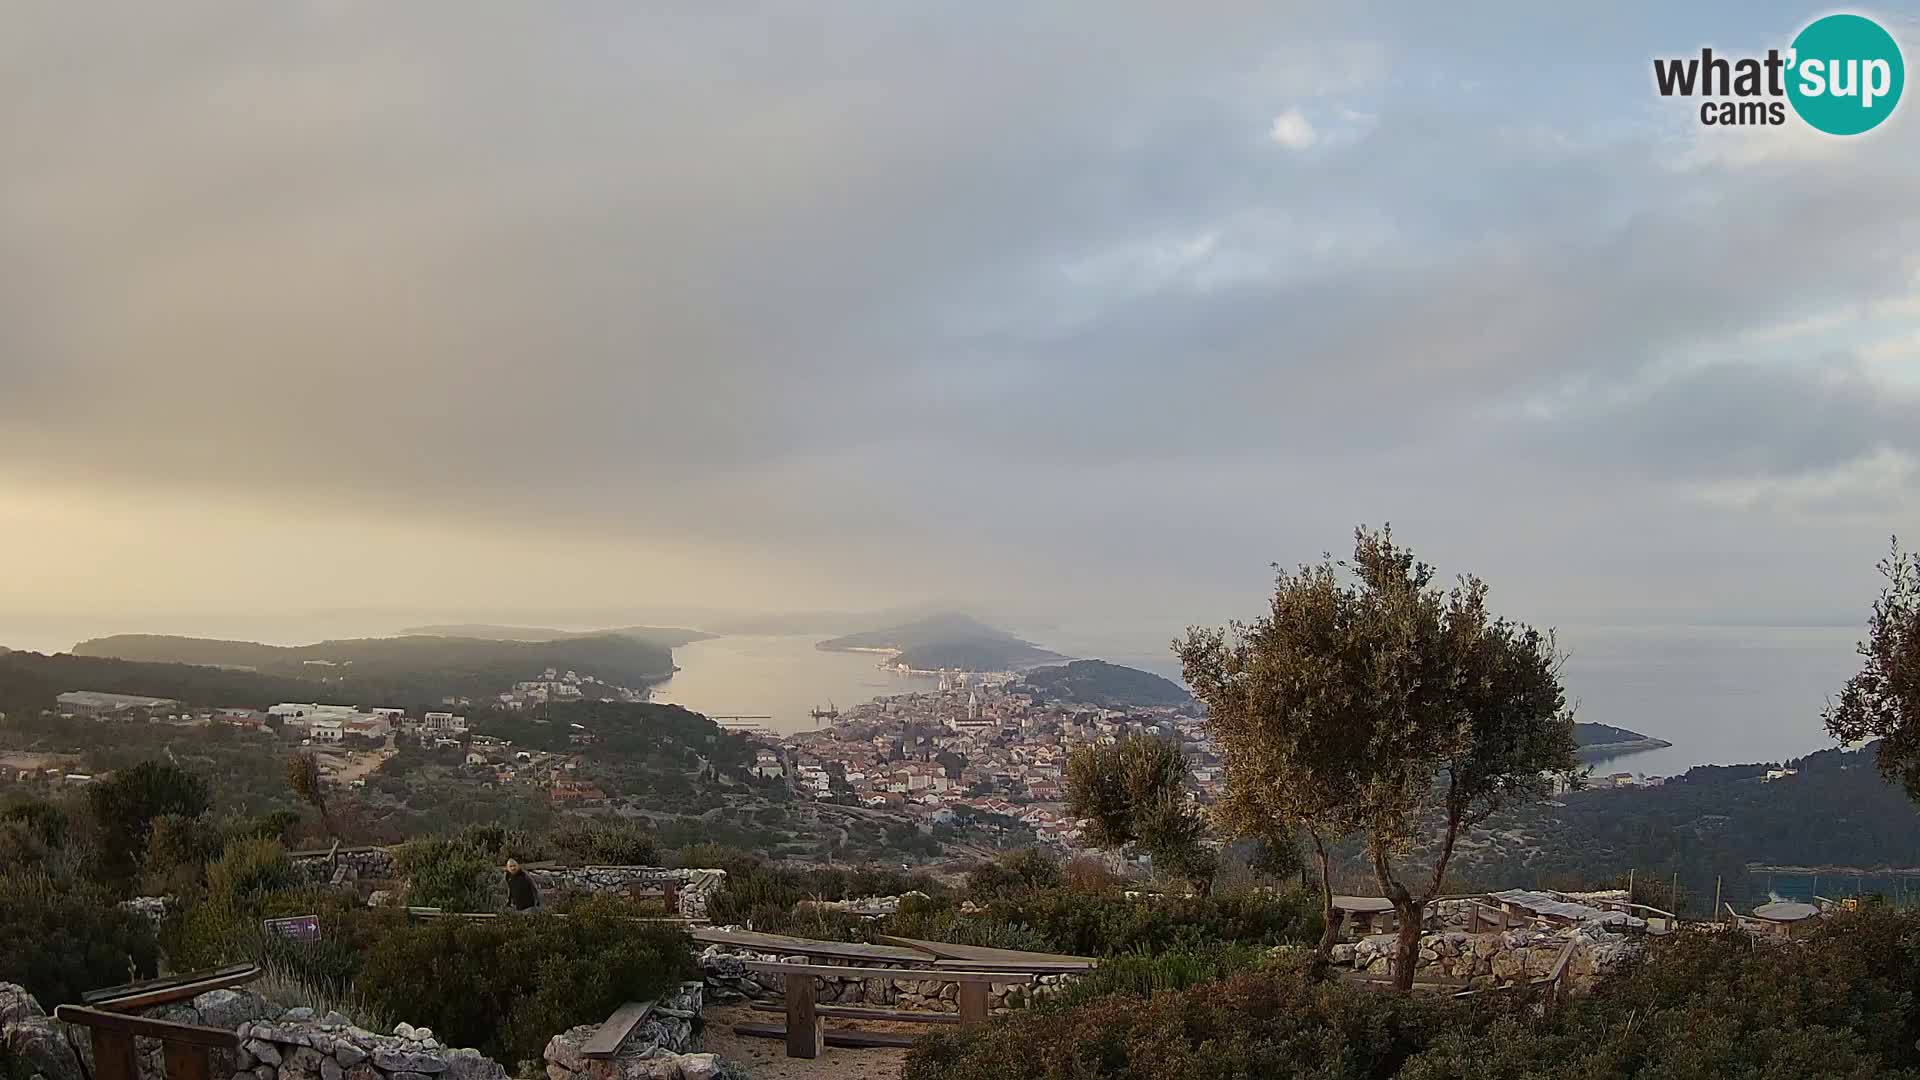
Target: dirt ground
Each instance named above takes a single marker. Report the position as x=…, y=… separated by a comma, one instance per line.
x=766, y=1059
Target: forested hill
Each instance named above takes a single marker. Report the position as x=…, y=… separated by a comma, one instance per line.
x=404, y=670
x=950, y=640
x=30, y=681
x=1835, y=810
x=1096, y=682
x=664, y=636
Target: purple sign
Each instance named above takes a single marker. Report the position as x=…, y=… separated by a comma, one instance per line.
x=296, y=928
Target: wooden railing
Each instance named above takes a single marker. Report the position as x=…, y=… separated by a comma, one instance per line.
x=185, y=1048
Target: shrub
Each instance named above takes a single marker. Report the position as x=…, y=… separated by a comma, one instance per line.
x=1142, y=975
x=61, y=939
x=1022, y=871
x=1700, y=1006
x=622, y=844
x=126, y=803
x=449, y=874
x=1099, y=924
x=521, y=979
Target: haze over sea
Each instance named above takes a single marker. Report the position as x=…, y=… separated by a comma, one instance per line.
x=1719, y=694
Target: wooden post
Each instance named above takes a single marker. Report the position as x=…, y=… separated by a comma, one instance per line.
x=113, y=1056
x=973, y=1004
x=670, y=895
x=804, y=1034
x=1716, y=899
x=186, y=1061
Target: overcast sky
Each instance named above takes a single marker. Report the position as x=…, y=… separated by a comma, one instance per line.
x=1037, y=308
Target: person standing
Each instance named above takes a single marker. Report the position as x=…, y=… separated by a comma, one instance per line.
x=521, y=893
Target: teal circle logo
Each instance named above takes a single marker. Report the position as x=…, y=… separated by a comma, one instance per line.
x=1845, y=74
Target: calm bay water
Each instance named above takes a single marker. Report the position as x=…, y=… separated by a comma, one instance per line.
x=782, y=676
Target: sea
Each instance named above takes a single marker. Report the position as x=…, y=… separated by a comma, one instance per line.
x=1720, y=694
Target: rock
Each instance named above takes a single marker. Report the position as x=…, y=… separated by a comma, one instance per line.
x=405, y=1075
x=300, y=1062
x=39, y=1045
x=297, y=1016
x=472, y=1065
x=701, y=1067
x=232, y=1008
x=348, y=1054
x=16, y=1005
x=331, y=1070
x=265, y=1072
x=364, y=1072
x=564, y=1049
x=403, y=1029
x=267, y=1053
x=397, y=1061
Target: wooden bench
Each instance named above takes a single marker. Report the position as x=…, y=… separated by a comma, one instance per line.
x=606, y=1041
x=804, y=1033
x=128, y=997
x=185, y=1048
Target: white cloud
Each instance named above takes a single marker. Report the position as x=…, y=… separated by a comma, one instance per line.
x=1292, y=130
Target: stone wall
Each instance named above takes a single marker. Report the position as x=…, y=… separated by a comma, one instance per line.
x=728, y=980
x=345, y=866
x=276, y=1043
x=659, y=1047
x=696, y=887
x=1499, y=958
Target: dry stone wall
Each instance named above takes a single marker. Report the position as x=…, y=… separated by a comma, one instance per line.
x=661, y=1047
x=696, y=887
x=728, y=980
x=1499, y=958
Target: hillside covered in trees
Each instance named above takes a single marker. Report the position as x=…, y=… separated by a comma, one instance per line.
x=404, y=669
x=1096, y=682
x=949, y=640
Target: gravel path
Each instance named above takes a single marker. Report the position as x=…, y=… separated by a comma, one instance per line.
x=766, y=1059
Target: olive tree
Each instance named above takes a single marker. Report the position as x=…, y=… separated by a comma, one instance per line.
x=1133, y=794
x=1882, y=701
x=1369, y=700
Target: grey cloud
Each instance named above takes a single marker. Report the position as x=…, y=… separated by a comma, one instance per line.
x=950, y=286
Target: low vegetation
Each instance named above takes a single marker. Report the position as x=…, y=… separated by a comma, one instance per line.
x=1699, y=1007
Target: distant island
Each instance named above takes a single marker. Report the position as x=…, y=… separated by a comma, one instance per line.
x=947, y=641
x=1604, y=740
x=669, y=637
x=1110, y=686
x=406, y=669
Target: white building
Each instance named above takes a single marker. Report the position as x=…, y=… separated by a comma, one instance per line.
x=326, y=729
x=294, y=712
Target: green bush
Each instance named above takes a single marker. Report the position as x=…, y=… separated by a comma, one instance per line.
x=1142, y=975
x=1100, y=924
x=522, y=978
x=1699, y=1006
x=1021, y=871
x=450, y=874
x=60, y=939
x=126, y=804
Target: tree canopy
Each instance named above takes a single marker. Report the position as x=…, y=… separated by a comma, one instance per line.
x=1883, y=700
x=1133, y=793
x=1371, y=700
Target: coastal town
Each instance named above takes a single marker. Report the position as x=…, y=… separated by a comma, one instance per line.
x=980, y=747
